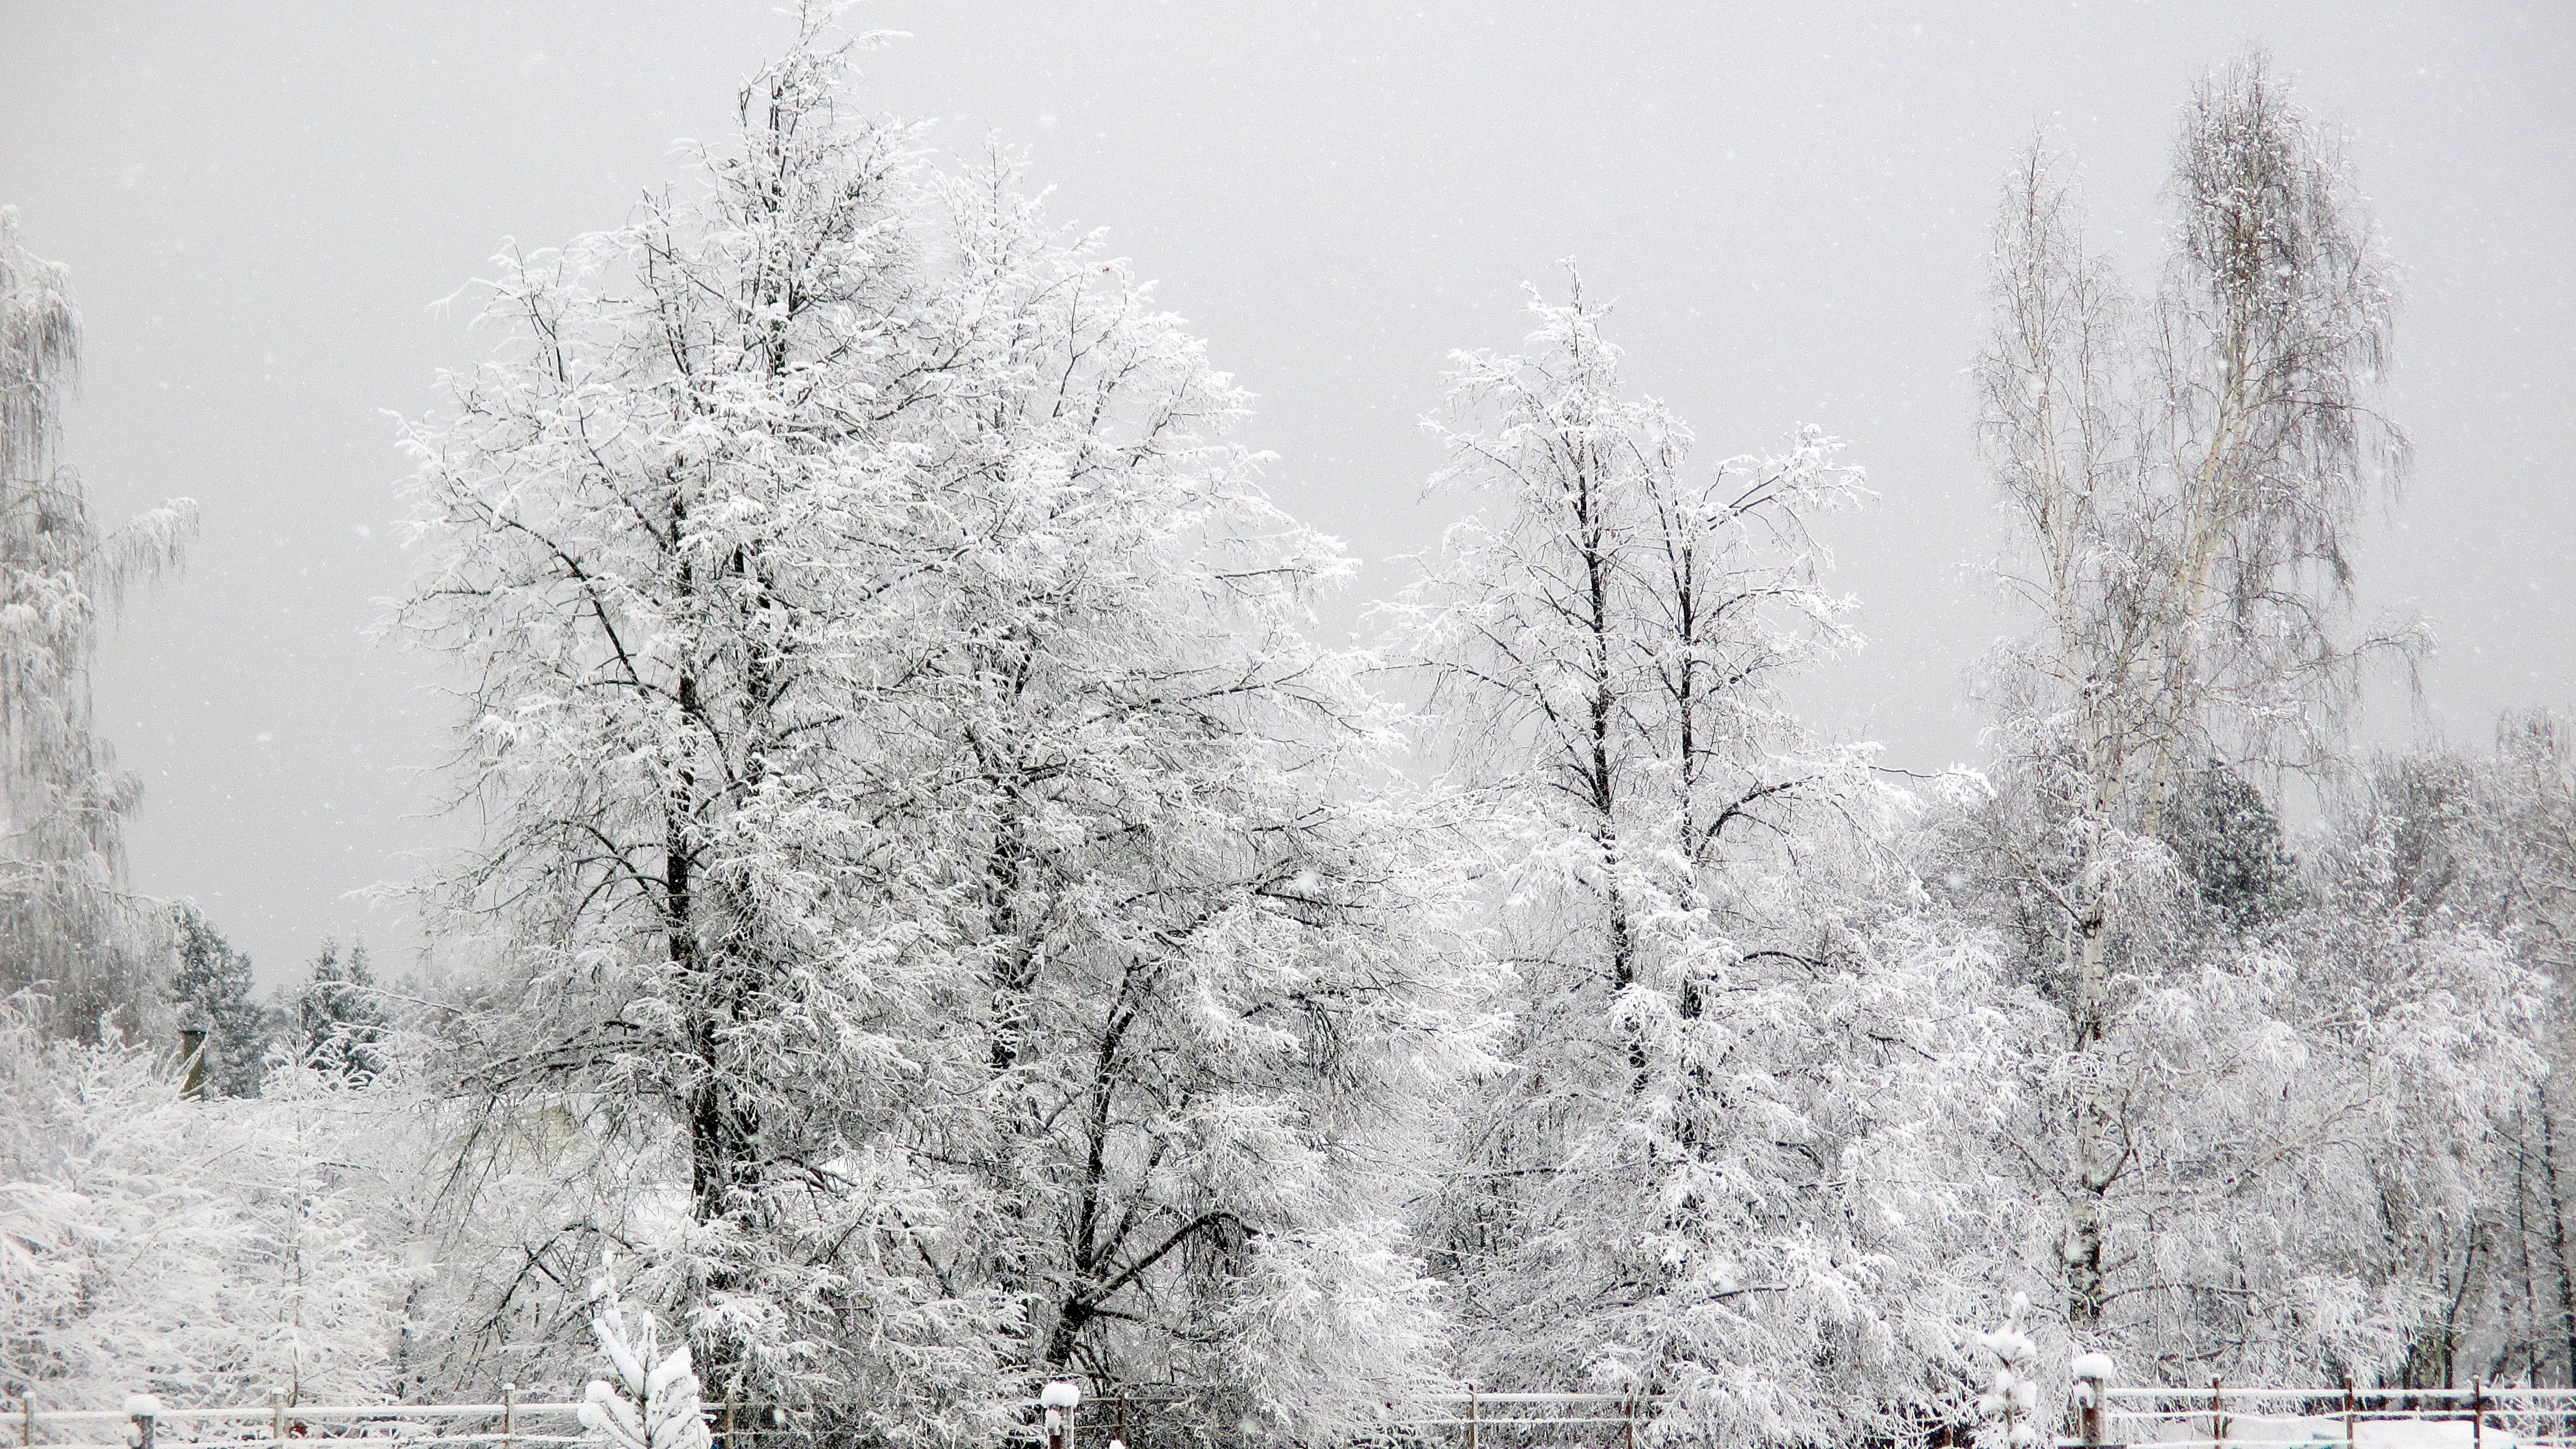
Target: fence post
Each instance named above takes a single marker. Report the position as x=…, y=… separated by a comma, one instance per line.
x=1629, y=1413
x=27, y=1419
x=144, y=1410
x=730, y=1441
x=2092, y=1373
x=192, y=1062
x=2217, y=1415
x=277, y=1416
x=510, y=1414
x=1471, y=1416
x=1060, y=1398
x=1123, y=1441
x=2478, y=1413
x=2350, y=1416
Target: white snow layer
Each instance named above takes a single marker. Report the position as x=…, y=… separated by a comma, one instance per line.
x=2257, y=1431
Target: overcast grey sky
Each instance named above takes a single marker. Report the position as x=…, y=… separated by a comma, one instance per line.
x=259, y=203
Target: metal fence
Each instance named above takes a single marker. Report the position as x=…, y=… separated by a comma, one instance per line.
x=1137, y=1419
x=508, y=1425
x=512, y=1423
x=1515, y=1418
x=2225, y=1416
x=2219, y=1416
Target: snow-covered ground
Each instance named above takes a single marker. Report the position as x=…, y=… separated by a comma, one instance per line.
x=2257, y=1431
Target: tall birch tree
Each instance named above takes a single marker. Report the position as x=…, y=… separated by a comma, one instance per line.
x=2180, y=472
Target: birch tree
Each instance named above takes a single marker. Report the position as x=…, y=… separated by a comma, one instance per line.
x=2180, y=471
x=68, y=924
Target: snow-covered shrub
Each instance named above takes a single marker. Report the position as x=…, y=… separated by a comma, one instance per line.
x=652, y=1403
x=205, y=1251
x=2006, y=1409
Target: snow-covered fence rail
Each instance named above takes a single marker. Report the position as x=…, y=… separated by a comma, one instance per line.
x=2227, y=1416
x=1478, y=1418
x=507, y=1424
x=1471, y=1419
x=1520, y=1416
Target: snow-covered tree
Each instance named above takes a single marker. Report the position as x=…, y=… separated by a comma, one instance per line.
x=67, y=922
x=2424, y=851
x=2209, y=1092
x=509, y=1209
x=337, y=1020
x=1667, y=1188
x=2178, y=481
x=655, y=518
x=1209, y=925
x=918, y=819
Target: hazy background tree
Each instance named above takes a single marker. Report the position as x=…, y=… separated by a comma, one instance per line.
x=2438, y=843
x=209, y=1251
x=68, y=924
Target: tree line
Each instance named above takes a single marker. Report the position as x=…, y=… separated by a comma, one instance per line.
x=944, y=920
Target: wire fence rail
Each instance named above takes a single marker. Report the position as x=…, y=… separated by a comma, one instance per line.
x=1522, y=1416
x=508, y=1424
x=1134, y=1421
x=2230, y=1416
x=2217, y=1416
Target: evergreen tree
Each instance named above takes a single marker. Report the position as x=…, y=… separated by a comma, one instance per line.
x=339, y=1023
x=2227, y=839
x=211, y=987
